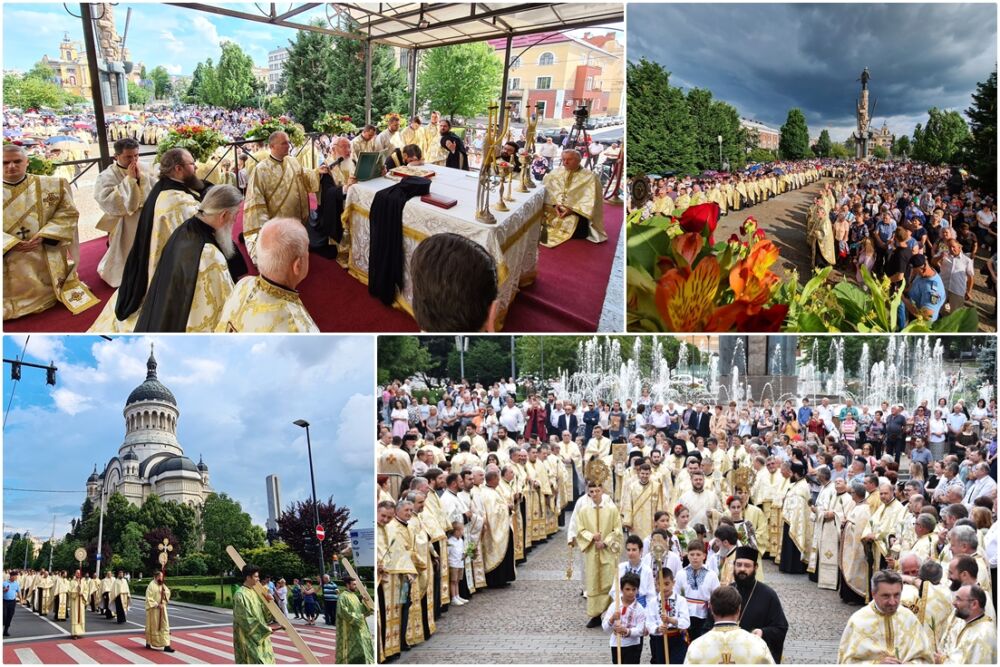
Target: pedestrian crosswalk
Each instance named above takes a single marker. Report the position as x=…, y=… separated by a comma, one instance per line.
x=206, y=645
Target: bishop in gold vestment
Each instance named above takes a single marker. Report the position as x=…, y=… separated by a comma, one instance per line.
x=572, y=195
x=157, y=621
x=39, y=244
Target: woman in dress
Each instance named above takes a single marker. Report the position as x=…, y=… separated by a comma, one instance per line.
x=449, y=418
x=310, y=602
x=281, y=596
x=400, y=419
x=744, y=529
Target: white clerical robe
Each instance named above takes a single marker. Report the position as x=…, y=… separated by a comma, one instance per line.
x=276, y=189
x=157, y=620
x=727, y=644
x=871, y=635
x=120, y=198
x=35, y=280
x=172, y=209
x=256, y=305
x=973, y=643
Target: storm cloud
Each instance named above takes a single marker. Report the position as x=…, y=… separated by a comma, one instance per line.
x=767, y=58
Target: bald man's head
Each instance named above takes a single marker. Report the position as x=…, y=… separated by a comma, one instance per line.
x=283, y=252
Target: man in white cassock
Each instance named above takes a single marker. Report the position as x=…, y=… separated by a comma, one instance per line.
x=120, y=191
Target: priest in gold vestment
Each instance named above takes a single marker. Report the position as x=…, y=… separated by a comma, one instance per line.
x=600, y=539
x=78, y=590
x=173, y=200
x=270, y=302
x=120, y=191
x=399, y=572
x=277, y=188
x=973, y=635
x=855, y=571
x=641, y=500
x=884, y=630
x=497, y=537
x=727, y=643
x=157, y=621
x=574, y=205
x=797, y=528
x=885, y=524
x=39, y=241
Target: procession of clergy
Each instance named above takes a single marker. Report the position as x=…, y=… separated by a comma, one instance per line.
x=67, y=598
x=697, y=520
x=171, y=253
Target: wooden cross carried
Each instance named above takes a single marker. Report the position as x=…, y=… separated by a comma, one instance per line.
x=281, y=619
x=362, y=589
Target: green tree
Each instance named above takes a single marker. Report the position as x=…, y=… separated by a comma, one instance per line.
x=41, y=71
x=400, y=357
x=880, y=152
x=485, y=361
x=982, y=154
x=987, y=358
x=13, y=556
x=559, y=353
x=234, y=85
x=192, y=564
x=277, y=105
x=193, y=93
x=761, y=155
x=307, y=76
x=277, y=561
x=137, y=94
x=42, y=559
x=460, y=80
x=840, y=151
x=940, y=141
x=119, y=512
x=161, y=82
x=225, y=523
x=902, y=147
x=794, y=142
x=661, y=133
x=31, y=92
x=823, y=145
x=714, y=119
x=346, y=80
x=64, y=555
x=133, y=548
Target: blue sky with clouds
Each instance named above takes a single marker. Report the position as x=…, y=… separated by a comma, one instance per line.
x=237, y=396
x=158, y=34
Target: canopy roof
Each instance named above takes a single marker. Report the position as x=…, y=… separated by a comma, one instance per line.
x=426, y=25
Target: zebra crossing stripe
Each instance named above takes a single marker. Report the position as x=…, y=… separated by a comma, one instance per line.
x=180, y=655
x=122, y=652
x=27, y=656
x=78, y=656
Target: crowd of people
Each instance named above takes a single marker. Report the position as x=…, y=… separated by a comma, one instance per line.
x=918, y=225
x=673, y=508
x=67, y=599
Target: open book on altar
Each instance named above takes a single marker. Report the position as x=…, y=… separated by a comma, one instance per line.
x=370, y=165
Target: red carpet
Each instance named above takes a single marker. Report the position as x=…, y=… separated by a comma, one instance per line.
x=567, y=295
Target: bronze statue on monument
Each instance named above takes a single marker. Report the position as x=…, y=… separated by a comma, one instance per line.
x=863, y=135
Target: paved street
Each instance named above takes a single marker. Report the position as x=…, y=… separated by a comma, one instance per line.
x=197, y=635
x=783, y=219
x=540, y=619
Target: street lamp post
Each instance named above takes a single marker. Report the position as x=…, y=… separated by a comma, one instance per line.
x=322, y=563
x=27, y=543
x=720, y=150
x=100, y=529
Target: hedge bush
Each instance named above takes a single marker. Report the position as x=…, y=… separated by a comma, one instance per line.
x=194, y=597
x=140, y=584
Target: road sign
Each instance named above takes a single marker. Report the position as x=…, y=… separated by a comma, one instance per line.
x=320, y=533
x=363, y=546
x=97, y=556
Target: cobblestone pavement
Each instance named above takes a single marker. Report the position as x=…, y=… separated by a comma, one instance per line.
x=613, y=313
x=540, y=619
x=783, y=218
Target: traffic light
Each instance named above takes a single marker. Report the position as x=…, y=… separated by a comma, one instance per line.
x=309, y=544
x=50, y=375
x=15, y=370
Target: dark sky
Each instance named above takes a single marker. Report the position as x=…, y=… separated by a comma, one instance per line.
x=767, y=58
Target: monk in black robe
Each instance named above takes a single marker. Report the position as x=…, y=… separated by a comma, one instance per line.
x=458, y=156
x=760, y=612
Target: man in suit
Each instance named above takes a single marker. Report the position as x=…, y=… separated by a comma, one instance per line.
x=590, y=419
x=688, y=416
x=568, y=421
x=703, y=422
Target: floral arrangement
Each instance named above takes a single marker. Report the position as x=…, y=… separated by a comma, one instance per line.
x=470, y=549
x=336, y=125
x=262, y=130
x=199, y=140
x=40, y=166
x=680, y=279
x=383, y=122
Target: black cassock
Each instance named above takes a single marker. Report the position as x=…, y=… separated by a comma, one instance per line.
x=385, y=252
x=504, y=573
x=762, y=611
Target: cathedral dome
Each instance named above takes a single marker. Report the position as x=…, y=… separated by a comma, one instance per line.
x=152, y=389
x=93, y=479
x=201, y=465
x=173, y=464
x=130, y=455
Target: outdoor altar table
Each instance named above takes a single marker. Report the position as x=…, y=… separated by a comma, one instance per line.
x=512, y=241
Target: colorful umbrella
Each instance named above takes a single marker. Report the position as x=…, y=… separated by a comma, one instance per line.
x=59, y=138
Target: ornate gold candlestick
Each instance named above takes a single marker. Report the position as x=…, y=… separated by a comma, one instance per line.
x=503, y=169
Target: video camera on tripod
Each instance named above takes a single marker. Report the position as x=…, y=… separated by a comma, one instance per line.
x=578, y=138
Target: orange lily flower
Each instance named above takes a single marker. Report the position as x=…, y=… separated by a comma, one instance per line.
x=686, y=297
x=688, y=246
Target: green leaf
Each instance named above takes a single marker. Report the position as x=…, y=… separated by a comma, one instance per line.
x=818, y=279
x=854, y=301
x=646, y=246
x=811, y=323
x=962, y=320
x=638, y=278
x=879, y=297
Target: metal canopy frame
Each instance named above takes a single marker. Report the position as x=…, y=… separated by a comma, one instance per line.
x=414, y=26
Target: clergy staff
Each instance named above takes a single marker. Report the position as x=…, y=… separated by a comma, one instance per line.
x=197, y=269
x=270, y=302
x=40, y=241
x=883, y=630
x=120, y=191
x=277, y=188
x=172, y=200
x=574, y=205
x=157, y=621
x=727, y=642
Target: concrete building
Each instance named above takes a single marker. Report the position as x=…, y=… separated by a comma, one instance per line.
x=275, y=67
x=150, y=459
x=69, y=70
x=884, y=138
x=767, y=137
x=273, y=502
x=560, y=73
